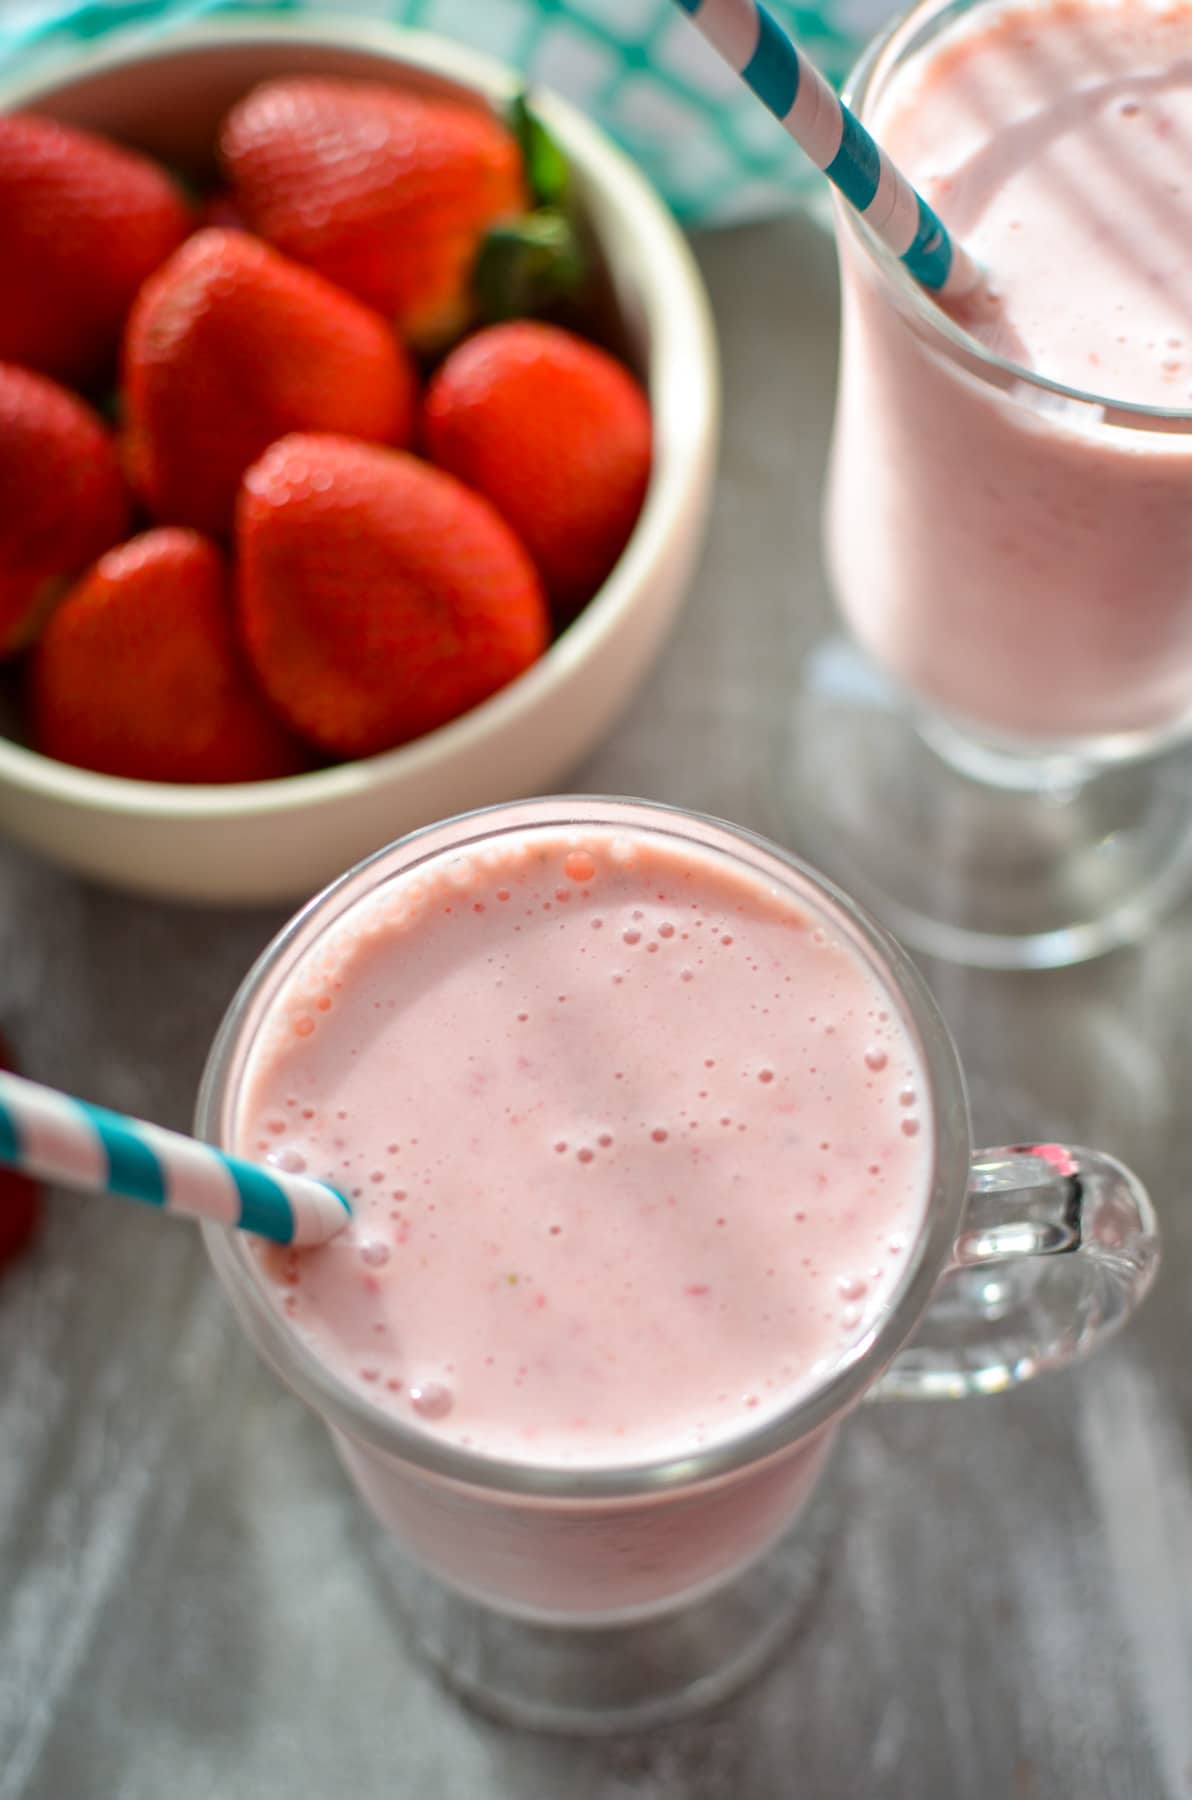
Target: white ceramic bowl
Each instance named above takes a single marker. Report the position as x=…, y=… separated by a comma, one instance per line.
x=279, y=839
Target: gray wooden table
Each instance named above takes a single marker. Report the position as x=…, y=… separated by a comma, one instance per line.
x=187, y=1610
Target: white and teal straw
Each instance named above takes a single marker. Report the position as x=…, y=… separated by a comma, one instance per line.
x=752, y=42
x=50, y=1135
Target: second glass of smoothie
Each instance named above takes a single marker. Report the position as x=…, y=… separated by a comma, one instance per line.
x=1009, y=512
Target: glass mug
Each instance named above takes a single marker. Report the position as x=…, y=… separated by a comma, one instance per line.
x=1013, y=558
x=597, y=1598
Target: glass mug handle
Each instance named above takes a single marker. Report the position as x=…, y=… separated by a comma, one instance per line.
x=1056, y=1248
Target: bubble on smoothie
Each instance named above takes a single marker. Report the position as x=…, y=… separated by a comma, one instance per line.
x=852, y=1287
x=907, y=1095
x=631, y=937
x=910, y=1128
x=288, y=1160
x=374, y=1254
x=579, y=866
x=875, y=1059
x=432, y=1399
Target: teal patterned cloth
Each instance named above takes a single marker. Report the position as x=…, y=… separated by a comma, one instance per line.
x=637, y=66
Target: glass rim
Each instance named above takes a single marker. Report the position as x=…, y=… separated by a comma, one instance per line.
x=873, y=66
x=362, y=1419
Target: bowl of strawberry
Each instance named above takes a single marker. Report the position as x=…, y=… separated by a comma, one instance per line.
x=357, y=432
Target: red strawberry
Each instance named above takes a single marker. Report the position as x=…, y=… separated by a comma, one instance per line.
x=378, y=597
x=20, y=1197
x=83, y=222
x=138, y=672
x=230, y=346
x=20, y=1210
x=385, y=192
x=554, y=432
x=62, y=497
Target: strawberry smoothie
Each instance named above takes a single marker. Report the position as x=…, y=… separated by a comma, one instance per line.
x=1019, y=558
x=637, y=1143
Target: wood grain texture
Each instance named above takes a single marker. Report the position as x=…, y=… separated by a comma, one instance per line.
x=187, y=1606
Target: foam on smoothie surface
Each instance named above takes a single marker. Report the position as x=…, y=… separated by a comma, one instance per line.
x=1056, y=140
x=637, y=1146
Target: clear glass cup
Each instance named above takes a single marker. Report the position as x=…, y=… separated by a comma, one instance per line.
x=595, y=1599
x=995, y=763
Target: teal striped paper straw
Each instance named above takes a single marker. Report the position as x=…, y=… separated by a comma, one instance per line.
x=752, y=42
x=48, y=1134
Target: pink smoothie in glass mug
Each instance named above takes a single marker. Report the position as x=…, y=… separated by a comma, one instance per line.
x=636, y=1146
x=657, y=1150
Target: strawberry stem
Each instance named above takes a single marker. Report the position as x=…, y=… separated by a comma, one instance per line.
x=527, y=264
x=547, y=174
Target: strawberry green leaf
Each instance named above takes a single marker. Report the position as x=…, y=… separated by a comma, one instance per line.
x=528, y=264
x=546, y=169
